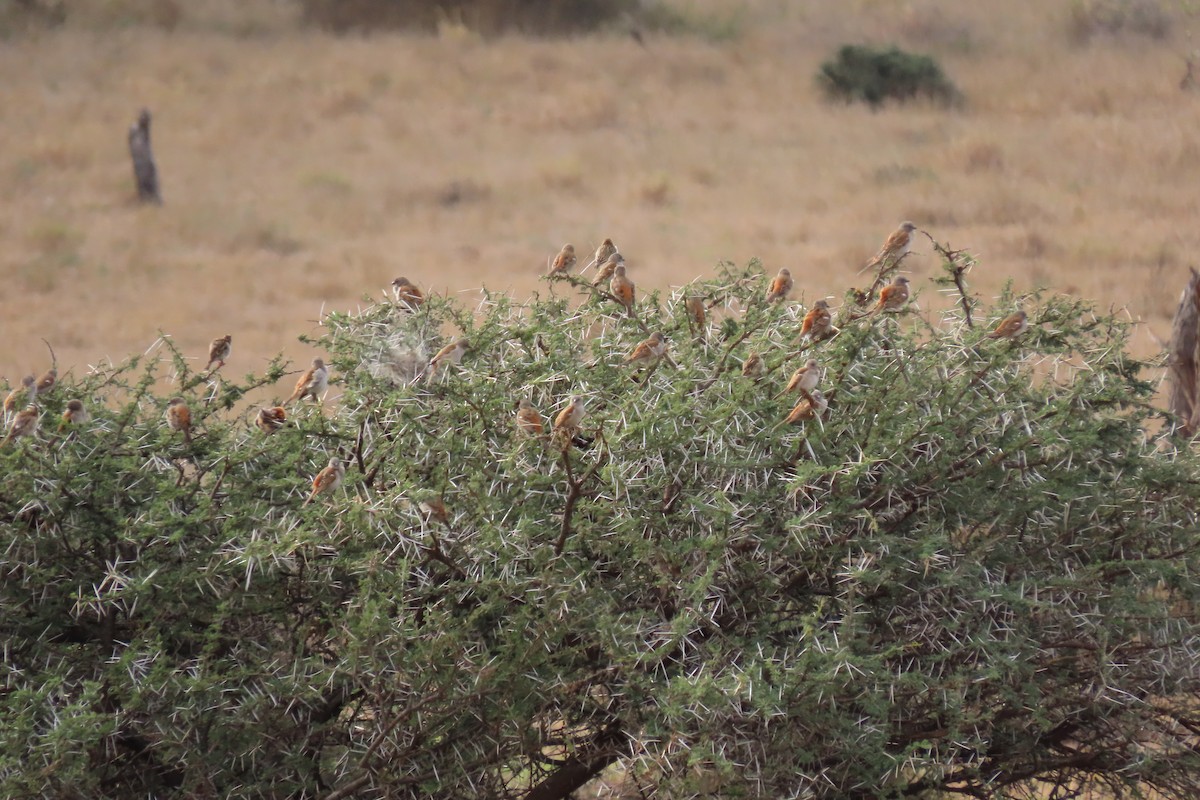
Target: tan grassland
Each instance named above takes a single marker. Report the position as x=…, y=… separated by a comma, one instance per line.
x=302, y=170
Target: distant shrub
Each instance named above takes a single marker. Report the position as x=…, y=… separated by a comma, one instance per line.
x=482, y=16
x=1092, y=18
x=860, y=73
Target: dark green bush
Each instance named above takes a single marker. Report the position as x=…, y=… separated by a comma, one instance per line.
x=860, y=73
x=483, y=16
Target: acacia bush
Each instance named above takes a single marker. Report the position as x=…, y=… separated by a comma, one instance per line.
x=976, y=573
x=865, y=74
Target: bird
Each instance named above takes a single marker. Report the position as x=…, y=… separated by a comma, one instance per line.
x=327, y=480
x=24, y=423
x=817, y=322
x=405, y=291
x=26, y=391
x=312, y=383
x=270, y=419
x=808, y=408
x=607, y=267
x=803, y=380
x=605, y=251
x=179, y=417
x=47, y=381
x=753, y=366
x=564, y=262
x=621, y=287
x=648, y=351
x=75, y=414
x=896, y=246
x=528, y=419
x=144, y=171
x=893, y=297
x=450, y=354
x=694, y=305
x=1011, y=326
x=219, y=350
x=781, y=286
x=567, y=421
x=434, y=508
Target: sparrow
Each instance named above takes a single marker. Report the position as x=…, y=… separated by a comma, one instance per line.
x=808, y=408
x=179, y=417
x=406, y=292
x=896, y=246
x=893, y=297
x=24, y=424
x=604, y=252
x=607, y=267
x=803, y=380
x=528, y=419
x=219, y=350
x=621, y=287
x=567, y=421
x=27, y=391
x=434, y=508
x=450, y=354
x=694, y=305
x=781, y=286
x=1011, y=326
x=47, y=381
x=75, y=414
x=327, y=480
x=753, y=366
x=312, y=383
x=648, y=351
x=818, y=322
x=564, y=262
x=270, y=419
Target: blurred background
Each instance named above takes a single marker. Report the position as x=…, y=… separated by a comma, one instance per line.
x=309, y=151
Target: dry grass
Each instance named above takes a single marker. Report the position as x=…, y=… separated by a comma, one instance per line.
x=302, y=170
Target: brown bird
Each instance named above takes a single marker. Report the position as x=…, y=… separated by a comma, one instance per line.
x=406, y=292
x=22, y=395
x=312, y=383
x=24, y=424
x=564, y=262
x=899, y=243
x=528, y=419
x=450, y=354
x=179, y=417
x=1011, y=326
x=434, y=508
x=893, y=297
x=569, y=418
x=808, y=408
x=327, y=480
x=219, y=350
x=753, y=366
x=270, y=419
x=818, y=322
x=607, y=267
x=605, y=251
x=47, y=381
x=781, y=286
x=803, y=380
x=648, y=351
x=621, y=287
x=75, y=414
x=694, y=305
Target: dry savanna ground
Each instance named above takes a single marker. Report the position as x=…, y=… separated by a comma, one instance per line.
x=302, y=170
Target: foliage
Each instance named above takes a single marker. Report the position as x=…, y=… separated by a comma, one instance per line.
x=976, y=572
x=860, y=73
x=481, y=16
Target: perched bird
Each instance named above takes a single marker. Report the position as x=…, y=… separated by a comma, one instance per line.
x=694, y=305
x=434, y=508
x=803, y=380
x=648, y=351
x=753, y=366
x=23, y=394
x=808, y=408
x=621, y=287
x=312, y=383
x=24, y=424
x=1011, y=326
x=893, y=297
x=327, y=480
x=567, y=421
x=528, y=419
x=899, y=243
x=605, y=251
x=179, y=417
x=450, y=354
x=75, y=414
x=781, y=286
x=144, y=171
x=270, y=419
x=219, y=350
x=818, y=322
x=47, y=381
x=406, y=292
x=607, y=267
x=564, y=262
